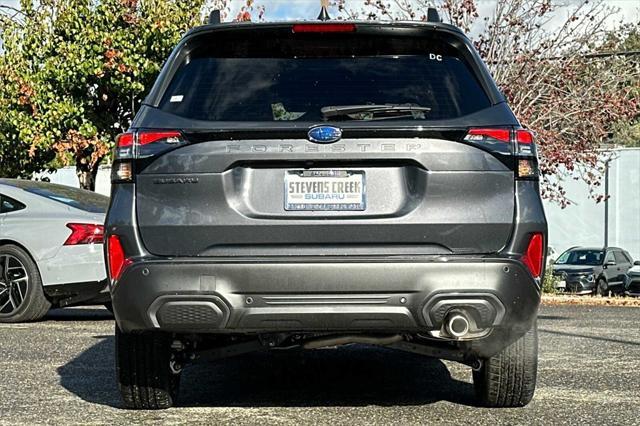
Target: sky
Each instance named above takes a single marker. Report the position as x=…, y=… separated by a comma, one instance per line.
x=308, y=9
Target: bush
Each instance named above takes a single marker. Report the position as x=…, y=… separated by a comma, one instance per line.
x=549, y=283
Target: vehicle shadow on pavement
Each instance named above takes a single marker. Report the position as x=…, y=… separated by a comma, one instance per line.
x=349, y=376
x=78, y=314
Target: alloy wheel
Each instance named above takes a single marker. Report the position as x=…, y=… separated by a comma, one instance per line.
x=14, y=284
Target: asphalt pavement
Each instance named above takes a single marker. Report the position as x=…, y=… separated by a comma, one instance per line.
x=61, y=371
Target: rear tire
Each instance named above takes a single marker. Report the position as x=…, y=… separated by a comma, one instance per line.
x=19, y=276
x=508, y=379
x=143, y=369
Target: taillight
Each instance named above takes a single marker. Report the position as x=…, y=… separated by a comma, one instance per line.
x=138, y=145
x=324, y=28
x=116, y=259
x=507, y=141
x=524, y=137
x=495, y=139
x=84, y=233
x=171, y=137
x=489, y=135
x=526, y=155
x=533, y=257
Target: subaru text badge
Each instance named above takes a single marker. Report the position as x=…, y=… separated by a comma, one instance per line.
x=324, y=134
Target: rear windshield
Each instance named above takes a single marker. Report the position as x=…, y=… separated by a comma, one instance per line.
x=72, y=197
x=253, y=84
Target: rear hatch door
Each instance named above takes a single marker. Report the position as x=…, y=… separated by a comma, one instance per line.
x=249, y=176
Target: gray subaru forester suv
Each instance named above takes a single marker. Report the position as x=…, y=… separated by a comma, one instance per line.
x=316, y=184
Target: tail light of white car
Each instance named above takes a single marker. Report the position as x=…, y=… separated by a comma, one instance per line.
x=85, y=233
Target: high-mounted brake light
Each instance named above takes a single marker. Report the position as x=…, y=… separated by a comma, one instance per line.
x=323, y=28
x=84, y=233
x=533, y=257
x=116, y=259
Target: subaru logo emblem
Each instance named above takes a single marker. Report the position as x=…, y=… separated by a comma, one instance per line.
x=324, y=134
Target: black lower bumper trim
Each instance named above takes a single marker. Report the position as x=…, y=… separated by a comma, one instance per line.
x=410, y=296
x=87, y=293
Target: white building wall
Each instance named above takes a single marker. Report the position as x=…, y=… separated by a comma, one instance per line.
x=67, y=176
x=582, y=224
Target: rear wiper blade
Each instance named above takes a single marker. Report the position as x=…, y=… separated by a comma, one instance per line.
x=347, y=110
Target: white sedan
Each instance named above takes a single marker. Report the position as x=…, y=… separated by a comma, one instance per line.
x=50, y=248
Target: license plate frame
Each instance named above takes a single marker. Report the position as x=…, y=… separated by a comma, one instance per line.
x=335, y=200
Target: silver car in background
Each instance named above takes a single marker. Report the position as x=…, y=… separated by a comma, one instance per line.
x=50, y=248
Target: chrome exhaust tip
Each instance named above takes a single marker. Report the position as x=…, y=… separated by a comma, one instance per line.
x=457, y=325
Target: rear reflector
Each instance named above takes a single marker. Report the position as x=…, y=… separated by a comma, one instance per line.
x=84, y=233
x=116, y=258
x=323, y=28
x=534, y=256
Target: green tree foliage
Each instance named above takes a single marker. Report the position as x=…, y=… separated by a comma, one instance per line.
x=73, y=73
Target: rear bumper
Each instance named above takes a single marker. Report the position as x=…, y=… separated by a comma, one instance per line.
x=74, y=264
x=86, y=293
x=322, y=295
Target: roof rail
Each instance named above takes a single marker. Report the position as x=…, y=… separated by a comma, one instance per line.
x=324, y=14
x=433, y=15
x=214, y=17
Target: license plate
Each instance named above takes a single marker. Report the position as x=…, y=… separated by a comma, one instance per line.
x=561, y=285
x=324, y=190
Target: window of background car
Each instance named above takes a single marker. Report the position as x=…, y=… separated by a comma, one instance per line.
x=620, y=258
x=72, y=197
x=263, y=83
x=610, y=258
x=8, y=205
x=581, y=257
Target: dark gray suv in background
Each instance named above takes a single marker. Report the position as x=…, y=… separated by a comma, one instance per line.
x=592, y=270
x=315, y=184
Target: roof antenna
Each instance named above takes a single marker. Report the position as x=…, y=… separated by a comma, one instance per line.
x=432, y=15
x=214, y=17
x=324, y=14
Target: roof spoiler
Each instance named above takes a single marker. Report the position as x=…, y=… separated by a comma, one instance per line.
x=432, y=14
x=324, y=13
